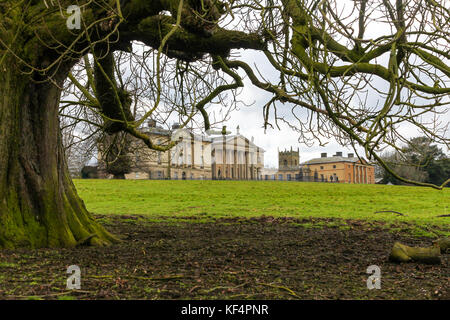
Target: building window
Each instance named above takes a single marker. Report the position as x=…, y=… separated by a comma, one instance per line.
x=280, y=177
x=288, y=177
x=321, y=167
x=334, y=166
x=322, y=177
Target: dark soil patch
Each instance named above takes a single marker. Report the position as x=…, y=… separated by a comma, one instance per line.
x=259, y=258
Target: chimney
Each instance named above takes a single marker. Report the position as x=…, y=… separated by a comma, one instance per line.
x=351, y=155
x=339, y=154
x=253, y=139
x=237, y=130
x=323, y=155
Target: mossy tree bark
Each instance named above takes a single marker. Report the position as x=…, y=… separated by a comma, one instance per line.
x=39, y=206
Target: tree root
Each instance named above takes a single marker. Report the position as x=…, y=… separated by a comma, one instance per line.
x=396, y=212
x=292, y=293
x=86, y=241
x=403, y=253
x=163, y=278
x=444, y=244
x=222, y=288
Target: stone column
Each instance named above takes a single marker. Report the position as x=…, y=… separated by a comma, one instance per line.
x=365, y=174
x=354, y=173
x=361, y=175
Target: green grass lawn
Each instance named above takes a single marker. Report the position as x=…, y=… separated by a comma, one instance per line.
x=217, y=199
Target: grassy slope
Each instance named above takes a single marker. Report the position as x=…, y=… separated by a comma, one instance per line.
x=254, y=198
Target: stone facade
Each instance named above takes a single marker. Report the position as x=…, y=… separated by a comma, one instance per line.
x=268, y=173
x=236, y=158
x=341, y=169
x=337, y=169
x=288, y=165
x=194, y=157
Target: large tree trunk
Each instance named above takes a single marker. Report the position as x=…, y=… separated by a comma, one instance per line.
x=39, y=205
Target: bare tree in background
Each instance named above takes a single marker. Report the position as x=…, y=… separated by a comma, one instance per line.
x=403, y=167
x=420, y=160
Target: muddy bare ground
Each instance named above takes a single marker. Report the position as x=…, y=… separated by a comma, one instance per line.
x=259, y=258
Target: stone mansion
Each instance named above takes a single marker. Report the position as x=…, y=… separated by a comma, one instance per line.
x=335, y=168
x=194, y=157
x=233, y=157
